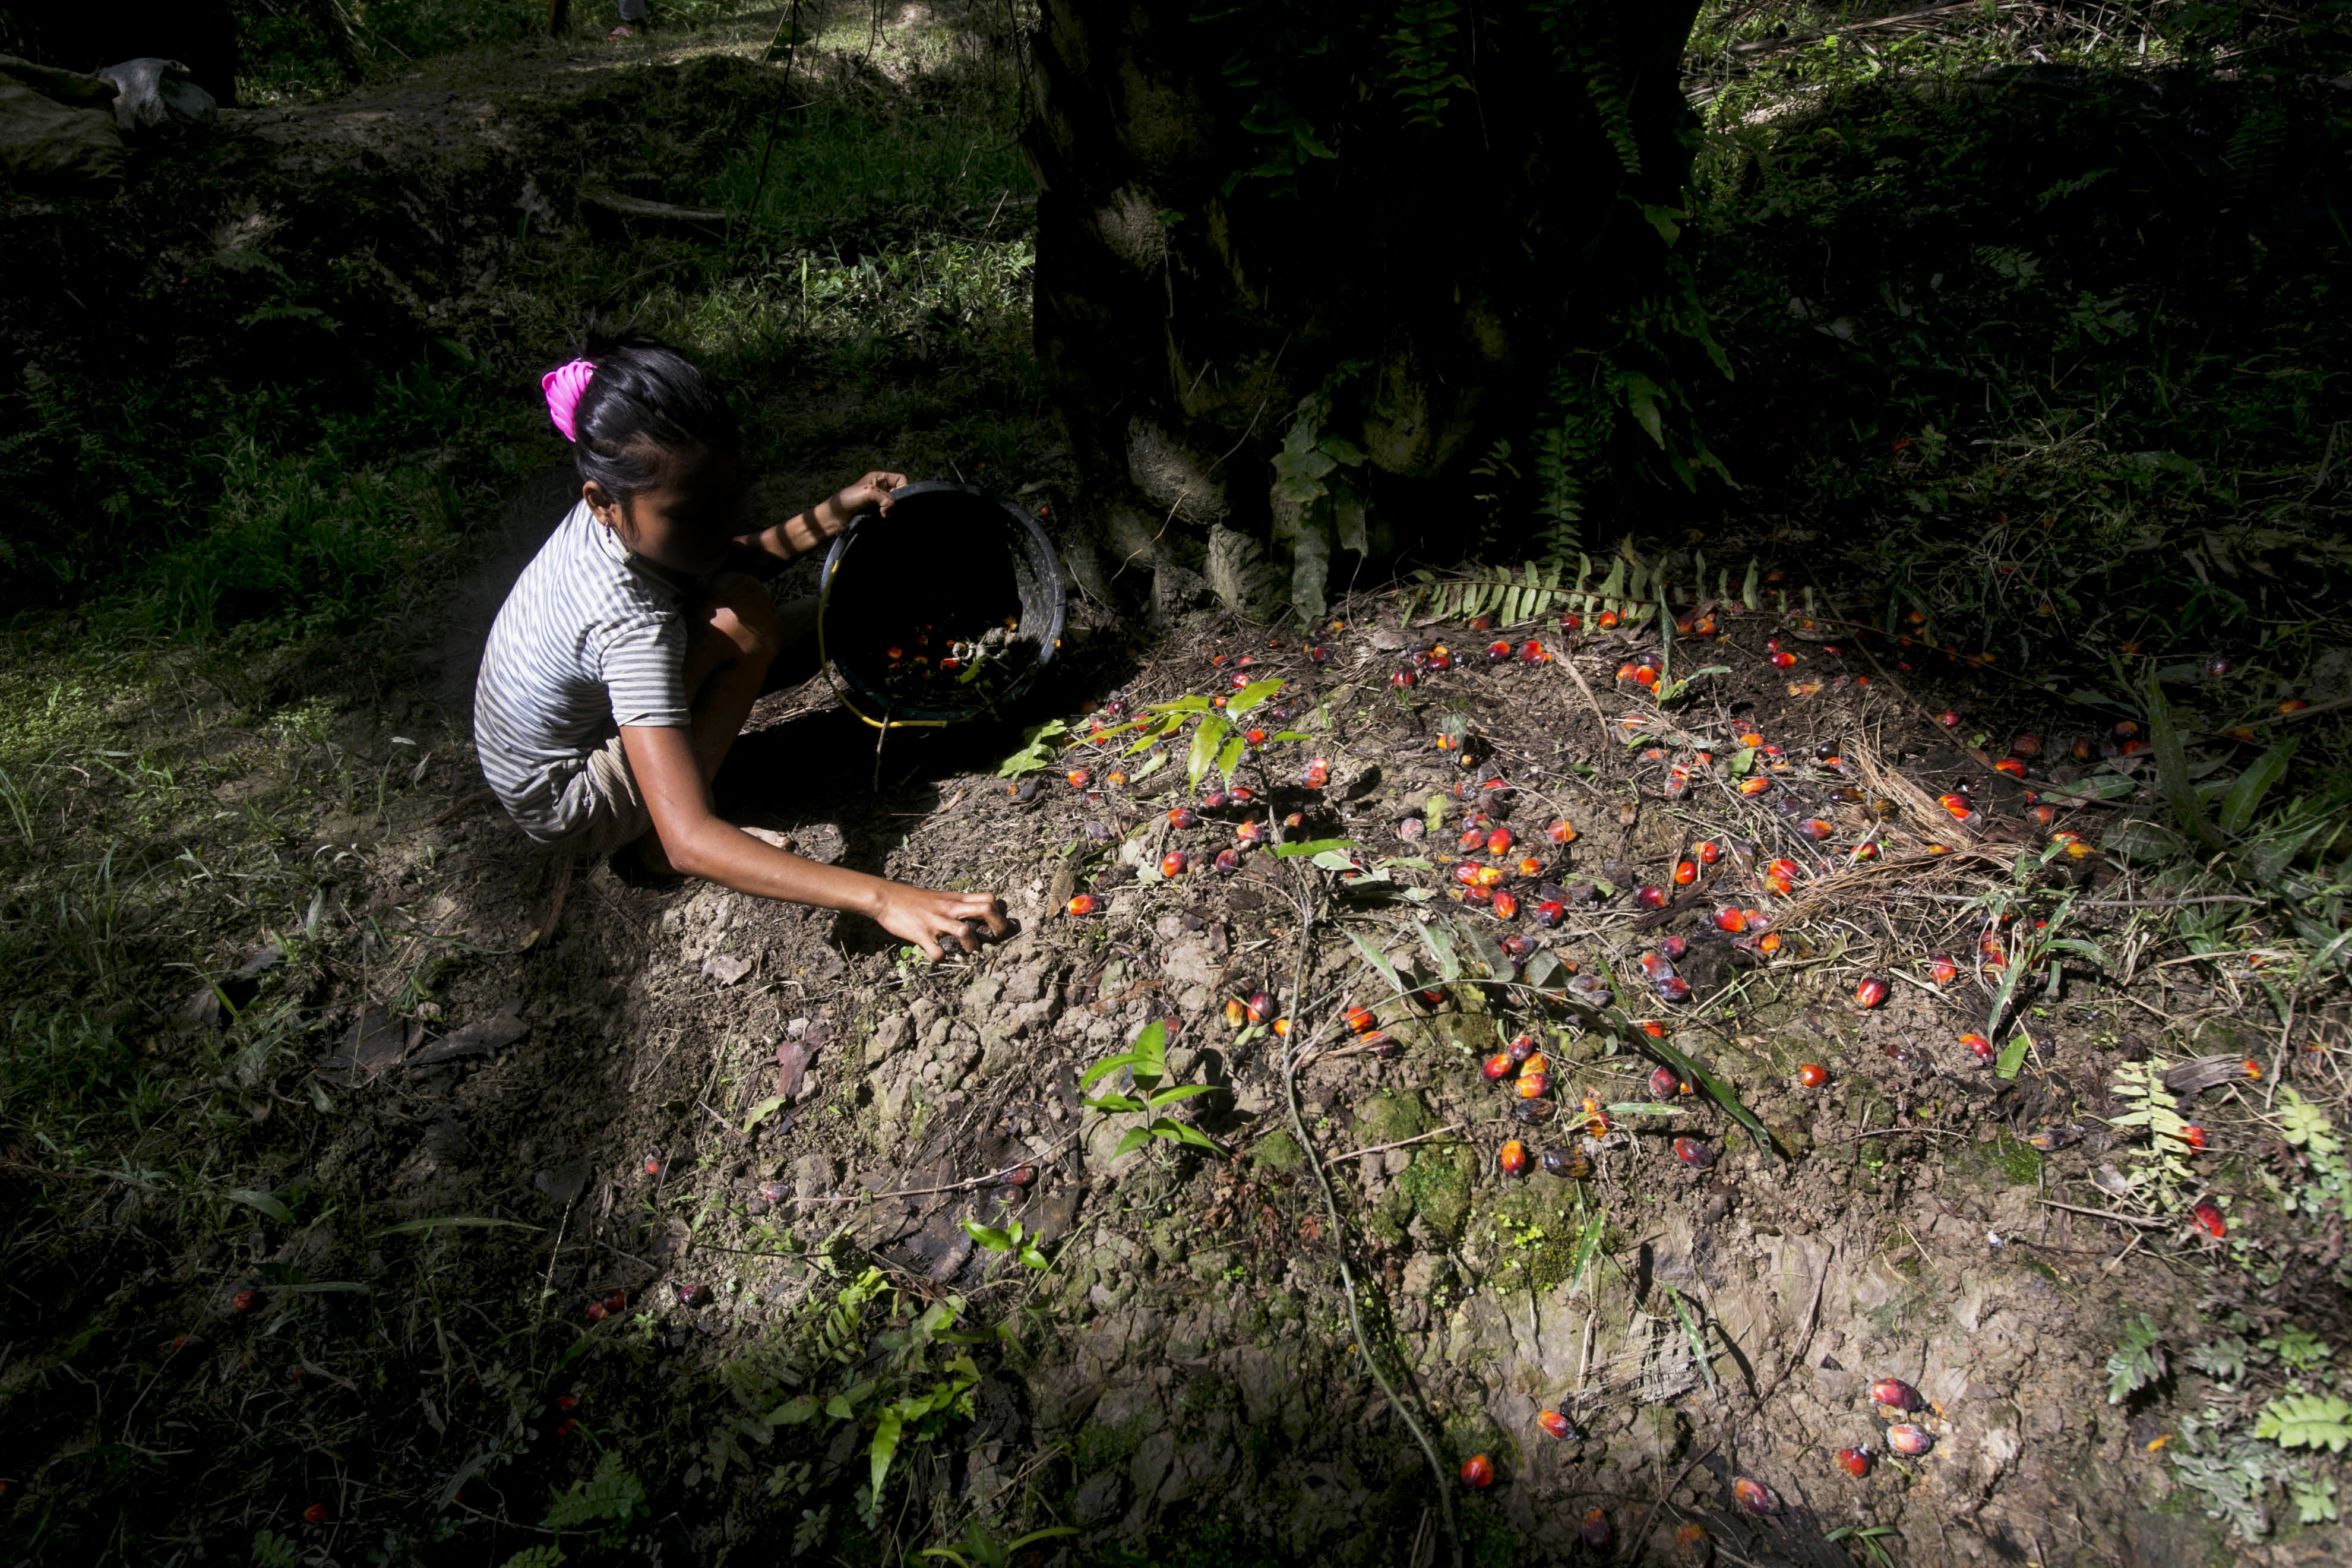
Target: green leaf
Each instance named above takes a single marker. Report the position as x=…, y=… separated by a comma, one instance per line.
x=2012, y=1055
x=1250, y=696
x=413, y=1226
x=792, y=1412
x=1311, y=846
x=1230, y=757
x=1177, y=1132
x=2172, y=769
x=1205, y=741
x=985, y=1235
x=1107, y=1065
x=2306, y=1421
x=2246, y=796
x=264, y=1202
x=1697, y=1340
x=1137, y=1137
x=2138, y=1359
x=885, y=1446
x=1380, y=966
x=1747, y=594
x=1440, y=942
x=761, y=1111
x=1182, y=1091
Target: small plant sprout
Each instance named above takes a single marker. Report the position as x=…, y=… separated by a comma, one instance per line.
x=1146, y=1061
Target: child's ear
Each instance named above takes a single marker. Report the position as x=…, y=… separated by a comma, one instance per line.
x=600, y=501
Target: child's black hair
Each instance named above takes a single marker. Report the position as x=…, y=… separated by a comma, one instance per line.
x=645, y=399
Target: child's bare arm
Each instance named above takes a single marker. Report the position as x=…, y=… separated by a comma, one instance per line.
x=697, y=842
x=811, y=527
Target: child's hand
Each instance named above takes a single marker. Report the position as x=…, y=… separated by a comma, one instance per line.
x=922, y=916
x=873, y=490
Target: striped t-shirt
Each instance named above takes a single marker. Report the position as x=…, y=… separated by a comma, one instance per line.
x=590, y=639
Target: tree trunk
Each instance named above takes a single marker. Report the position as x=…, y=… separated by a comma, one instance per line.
x=1304, y=264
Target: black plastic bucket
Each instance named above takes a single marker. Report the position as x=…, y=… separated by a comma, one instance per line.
x=948, y=561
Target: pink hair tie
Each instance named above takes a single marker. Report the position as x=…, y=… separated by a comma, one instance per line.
x=563, y=387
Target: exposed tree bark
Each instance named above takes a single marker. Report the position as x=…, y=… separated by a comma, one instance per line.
x=1398, y=217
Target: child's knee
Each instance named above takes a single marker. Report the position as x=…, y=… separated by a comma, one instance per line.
x=740, y=610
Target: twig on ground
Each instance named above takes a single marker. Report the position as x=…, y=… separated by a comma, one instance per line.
x=954, y=1186
x=1400, y=1144
x=2108, y=1214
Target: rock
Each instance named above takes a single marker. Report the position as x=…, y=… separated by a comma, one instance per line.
x=1424, y=1272
x=1189, y=963
x=889, y=1036
x=726, y=968
x=57, y=147
x=1097, y=1499
x=1025, y=983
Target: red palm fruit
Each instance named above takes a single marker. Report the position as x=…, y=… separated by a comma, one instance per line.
x=1561, y=831
x=2082, y=749
x=1251, y=832
x=1674, y=988
x=1629, y=670
x=1466, y=873
x=1521, y=1048
x=1316, y=653
x=2010, y=766
x=653, y=1165
x=1595, y=1528
x=1677, y=777
x=1731, y=919
x=1477, y=1472
x=1236, y=1014
x=245, y=1301
x=1183, y=816
x=1908, y=1440
x=1948, y=719
x=2126, y=728
x=1756, y=785
x=1499, y=842
x=1772, y=643
x=2251, y=1068
x=1260, y=1007
x=597, y=1313
x=1529, y=867
x=1768, y=943
x=1661, y=1083
x=2194, y=1136
x=1511, y=1159
x=1656, y=966
x=1482, y=623
x=1255, y=736
x=1783, y=660
x=1281, y=1028
x=1536, y=1065
x=1692, y=1546
x=1942, y=970
x=1978, y=1046
x=1402, y=678
x=1498, y=652
x=1473, y=839
x=1653, y=1027
x=1317, y=774
x=1607, y=620
x=1897, y=1395
x=1083, y=904
x=2043, y=816
x=1685, y=873
x=1780, y=876
x=1870, y=992
x=1704, y=627
x=1507, y=905
x=1175, y=863
x=1361, y=1019
x=1646, y=675
x=1814, y=827
x=1550, y=912
x=2293, y=705
x=1865, y=851
x=1754, y=1496
x=1490, y=876
x=317, y=1513
x=1532, y=652
x=1116, y=779
x=1498, y=1066
x=1812, y=1075
x=1749, y=738
x=1707, y=851
x=1079, y=778
x=2025, y=746
x=1958, y=804
x=1228, y=862
x=617, y=1301
x=1854, y=1462
x=1673, y=946
x=1694, y=1154
x=2209, y=1216
x=1532, y=1085
x=1554, y=1425
x=1650, y=898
